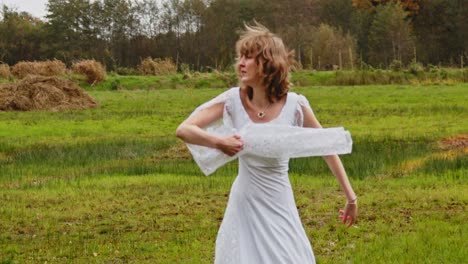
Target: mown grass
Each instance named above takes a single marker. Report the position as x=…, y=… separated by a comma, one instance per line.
x=114, y=185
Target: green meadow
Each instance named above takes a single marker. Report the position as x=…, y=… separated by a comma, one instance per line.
x=114, y=185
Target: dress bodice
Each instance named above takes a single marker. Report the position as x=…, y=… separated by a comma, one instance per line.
x=290, y=114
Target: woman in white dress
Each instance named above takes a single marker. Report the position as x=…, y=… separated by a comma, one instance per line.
x=261, y=223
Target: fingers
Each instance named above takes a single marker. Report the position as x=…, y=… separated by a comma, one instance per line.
x=233, y=145
x=346, y=218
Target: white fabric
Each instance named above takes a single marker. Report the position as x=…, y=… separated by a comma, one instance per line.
x=209, y=159
x=261, y=223
x=269, y=139
x=280, y=141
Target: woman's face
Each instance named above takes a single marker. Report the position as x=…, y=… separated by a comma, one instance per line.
x=247, y=67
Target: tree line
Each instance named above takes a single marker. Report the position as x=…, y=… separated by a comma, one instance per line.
x=200, y=34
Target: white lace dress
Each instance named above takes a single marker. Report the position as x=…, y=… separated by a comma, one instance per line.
x=261, y=223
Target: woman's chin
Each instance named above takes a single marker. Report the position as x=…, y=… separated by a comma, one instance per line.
x=245, y=81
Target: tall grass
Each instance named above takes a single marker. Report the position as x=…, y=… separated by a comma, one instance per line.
x=300, y=79
x=114, y=185
x=433, y=76
x=132, y=129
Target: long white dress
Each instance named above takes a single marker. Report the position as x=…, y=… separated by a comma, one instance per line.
x=261, y=224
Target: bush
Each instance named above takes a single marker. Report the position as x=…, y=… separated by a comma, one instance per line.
x=115, y=85
x=157, y=66
x=126, y=71
x=93, y=70
x=432, y=68
x=416, y=68
x=4, y=71
x=41, y=68
x=185, y=68
x=229, y=78
x=396, y=65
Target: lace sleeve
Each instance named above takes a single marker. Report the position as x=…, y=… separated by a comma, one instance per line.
x=209, y=159
x=302, y=102
x=278, y=141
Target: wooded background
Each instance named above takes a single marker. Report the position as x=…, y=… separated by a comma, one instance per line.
x=200, y=34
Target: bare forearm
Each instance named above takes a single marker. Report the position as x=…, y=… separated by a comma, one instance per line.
x=194, y=135
x=335, y=165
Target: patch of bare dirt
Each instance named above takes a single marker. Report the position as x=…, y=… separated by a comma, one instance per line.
x=457, y=142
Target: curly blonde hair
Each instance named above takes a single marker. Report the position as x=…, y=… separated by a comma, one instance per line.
x=274, y=60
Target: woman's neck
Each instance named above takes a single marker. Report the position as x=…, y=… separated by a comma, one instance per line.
x=259, y=97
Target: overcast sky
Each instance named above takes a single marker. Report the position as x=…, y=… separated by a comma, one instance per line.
x=35, y=7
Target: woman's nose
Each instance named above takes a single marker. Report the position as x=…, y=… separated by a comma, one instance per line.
x=242, y=61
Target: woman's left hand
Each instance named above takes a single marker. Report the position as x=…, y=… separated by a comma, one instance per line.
x=349, y=214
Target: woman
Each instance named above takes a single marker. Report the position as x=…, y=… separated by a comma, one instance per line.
x=261, y=222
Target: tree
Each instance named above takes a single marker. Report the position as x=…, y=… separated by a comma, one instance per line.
x=390, y=36
x=70, y=31
x=21, y=36
x=148, y=15
x=330, y=46
x=337, y=13
x=411, y=6
x=441, y=28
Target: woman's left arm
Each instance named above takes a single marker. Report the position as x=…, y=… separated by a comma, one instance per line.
x=349, y=214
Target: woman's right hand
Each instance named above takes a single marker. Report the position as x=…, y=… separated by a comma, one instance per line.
x=231, y=145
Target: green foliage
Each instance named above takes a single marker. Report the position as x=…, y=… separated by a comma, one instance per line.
x=372, y=76
x=390, y=36
x=203, y=33
x=20, y=36
x=126, y=71
x=330, y=46
x=396, y=65
x=416, y=68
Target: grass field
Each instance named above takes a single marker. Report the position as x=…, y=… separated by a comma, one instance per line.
x=113, y=184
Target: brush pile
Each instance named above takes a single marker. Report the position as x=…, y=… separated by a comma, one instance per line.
x=42, y=68
x=44, y=93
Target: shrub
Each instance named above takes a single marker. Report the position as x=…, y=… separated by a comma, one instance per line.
x=185, y=68
x=416, y=68
x=42, y=68
x=396, y=65
x=126, y=71
x=229, y=78
x=157, y=66
x=4, y=71
x=93, y=70
x=116, y=85
x=432, y=68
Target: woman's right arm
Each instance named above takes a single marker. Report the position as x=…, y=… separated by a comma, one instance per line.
x=191, y=131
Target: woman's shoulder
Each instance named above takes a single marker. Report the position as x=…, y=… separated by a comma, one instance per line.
x=227, y=94
x=231, y=91
x=300, y=101
x=298, y=98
